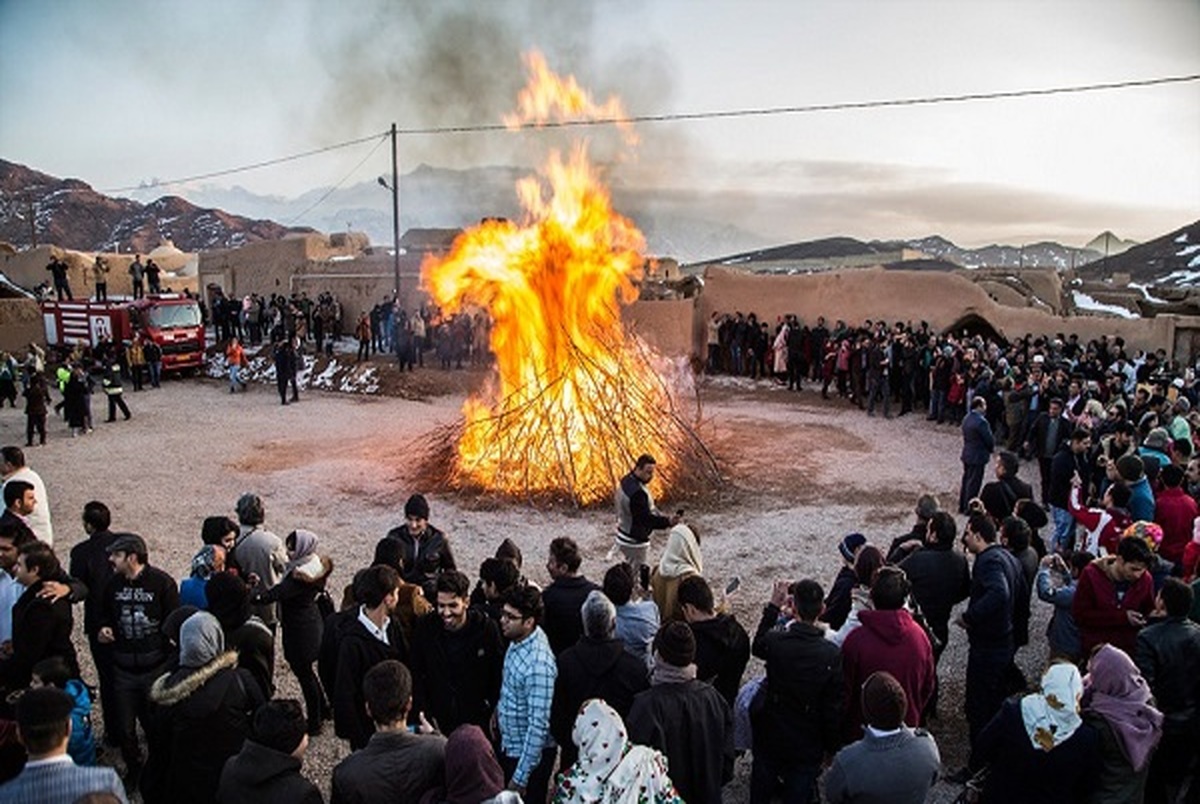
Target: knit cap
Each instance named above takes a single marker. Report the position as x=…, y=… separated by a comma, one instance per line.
x=850, y=544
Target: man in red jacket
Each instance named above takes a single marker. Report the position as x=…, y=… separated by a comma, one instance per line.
x=1113, y=597
x=1175, y=511
x=887, y=639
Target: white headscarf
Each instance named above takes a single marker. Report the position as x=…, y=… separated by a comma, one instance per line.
x=610, y=770
x=1052, y=715
x=682, y=556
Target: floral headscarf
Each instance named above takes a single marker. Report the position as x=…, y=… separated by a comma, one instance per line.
x=1149, y=532
x=610, y=770
x=1052, y=715
x=204, y=563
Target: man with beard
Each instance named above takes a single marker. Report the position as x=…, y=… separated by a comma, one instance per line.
x=426, y=550
x=457, y=655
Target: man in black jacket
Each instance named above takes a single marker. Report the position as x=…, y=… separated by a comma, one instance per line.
x=457, y=657
x=373, y=637
x=597, y=666
x=1049, y=431
x=1168, y=655
x=797, y=716
x=1071, y=460
x=90, y=565
x=997, y=584
x=722, y=645
x=41, y=625
x=426, y=549
x=1000, y=496
x=637, y=517
x=135, y=604
x=565, y=594
x=267, y=770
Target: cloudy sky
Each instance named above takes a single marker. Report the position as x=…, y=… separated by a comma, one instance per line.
x=122, y=92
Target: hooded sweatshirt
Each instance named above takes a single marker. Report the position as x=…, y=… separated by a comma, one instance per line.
x=262, y=775
x=890, y=641
x=722, y=651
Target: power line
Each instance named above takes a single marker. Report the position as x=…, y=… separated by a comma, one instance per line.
x=684, y=116
x=820, y=107
x=244, y=168
x=384, y=138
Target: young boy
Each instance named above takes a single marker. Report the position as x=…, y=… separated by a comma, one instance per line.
x=53, y=672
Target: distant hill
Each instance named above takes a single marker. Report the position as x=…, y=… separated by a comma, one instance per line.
x=1107, y=244
x=1171, y=260
x=69, y=213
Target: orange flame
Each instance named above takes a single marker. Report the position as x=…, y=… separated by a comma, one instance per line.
x=574, y=398
x=549, y=97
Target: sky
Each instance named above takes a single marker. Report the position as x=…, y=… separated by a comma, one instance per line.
x=124, y=92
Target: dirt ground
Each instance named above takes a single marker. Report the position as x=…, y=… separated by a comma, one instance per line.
x=801, y=473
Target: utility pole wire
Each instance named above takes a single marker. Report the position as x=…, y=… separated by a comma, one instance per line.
x=685, y=116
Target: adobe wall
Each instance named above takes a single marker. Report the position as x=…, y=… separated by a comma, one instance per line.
x=20, y=325
x=666, y=325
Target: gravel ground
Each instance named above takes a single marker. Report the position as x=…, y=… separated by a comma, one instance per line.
x=802, y=473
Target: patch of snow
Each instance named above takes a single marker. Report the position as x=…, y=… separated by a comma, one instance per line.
x=1182, y=277
x=1182, y=238
x=1186, y=250
x=1146, y=294
x=1085, y=302
x=341, y=258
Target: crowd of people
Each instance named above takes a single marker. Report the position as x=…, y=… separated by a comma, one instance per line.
x=635, y=686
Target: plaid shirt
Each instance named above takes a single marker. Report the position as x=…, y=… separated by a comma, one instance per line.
x=526, y=692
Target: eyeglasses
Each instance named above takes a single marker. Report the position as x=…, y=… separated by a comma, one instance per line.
x=504, y=615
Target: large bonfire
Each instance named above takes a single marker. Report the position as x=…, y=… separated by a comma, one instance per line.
x=574, y=397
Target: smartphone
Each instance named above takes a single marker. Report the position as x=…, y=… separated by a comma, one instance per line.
x=733, y=585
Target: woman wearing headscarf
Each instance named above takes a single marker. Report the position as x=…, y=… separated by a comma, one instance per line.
x=611, y=769
x=210, y=559
x=867, y=562
x=473, y=776
x=1118, y=704
x=300, y=617
x=681, y=559
x=202, y=714
x=1037, y=749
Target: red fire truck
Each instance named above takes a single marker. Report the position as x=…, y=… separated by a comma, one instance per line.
x=171, y=320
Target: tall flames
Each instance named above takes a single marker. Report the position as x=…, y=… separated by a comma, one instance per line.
x=574, y=397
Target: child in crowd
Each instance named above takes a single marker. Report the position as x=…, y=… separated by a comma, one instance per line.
x=53, y=672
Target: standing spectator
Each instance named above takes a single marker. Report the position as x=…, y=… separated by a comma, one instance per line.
x=425, y=549
x=209, y=560
x=267, y=769
x=1104, y=525
x=50, y=775
x=527, y=753
x=889, y=640
x=90, y=565
x=229, y=601
x=203, y=711
x=892, y=763
x=100, y=269
x=978, y=444
x=684, y=718
x=637, y=620
x=610, y=767
x=1168, y=656
x=258, y=552
x=472, y=773
x=1070, y=462
x=597, y=666
x=153, y=276
x=362, y=331
x=1000, y=496
x=1141, y=499
x=1049, y=431
x=58, y=270
x=136, y=603
x=373, y=637
x=1056, y=581
x=41, y=625
x=637, y=517
x=1114, y=596
x=395, y=765
x=1175, y=511
x=304, y=579
x=14, y=467
x=939, y=576
x=137, y=274
x=997, y=583
x=135, y=358
x=154, y=361
x=838, y=601
x=681, y=559
x=19, y=500
x=457, y=657
x=37, y=402
x=1038, y=748
x=1117, y=703
x=285, y=368
x=563, y=597
x=722, y=645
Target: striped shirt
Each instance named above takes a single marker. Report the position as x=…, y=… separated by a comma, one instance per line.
x=58, y=780
x=526, y=692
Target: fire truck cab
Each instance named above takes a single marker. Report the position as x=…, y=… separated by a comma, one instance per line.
x=171, y=320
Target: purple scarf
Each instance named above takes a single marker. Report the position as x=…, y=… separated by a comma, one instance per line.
x=1115, y=690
